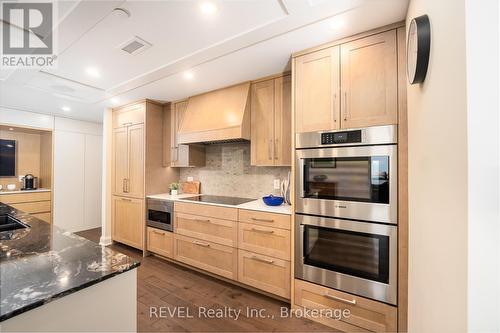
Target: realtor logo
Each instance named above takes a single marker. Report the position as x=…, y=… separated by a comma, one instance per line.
x=28, y=34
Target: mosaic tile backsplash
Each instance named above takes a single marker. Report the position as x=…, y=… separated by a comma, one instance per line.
x=228, y=172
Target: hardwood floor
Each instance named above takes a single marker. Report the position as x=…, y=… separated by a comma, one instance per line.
x=164, y=286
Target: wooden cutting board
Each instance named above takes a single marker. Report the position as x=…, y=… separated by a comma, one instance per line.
x=190, y=187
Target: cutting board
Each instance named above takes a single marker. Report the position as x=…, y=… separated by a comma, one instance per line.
x=190, y=187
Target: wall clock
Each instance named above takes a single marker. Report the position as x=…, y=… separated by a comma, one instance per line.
x=418, y=49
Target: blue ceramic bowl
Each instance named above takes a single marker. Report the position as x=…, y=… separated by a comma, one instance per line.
x=272, y=200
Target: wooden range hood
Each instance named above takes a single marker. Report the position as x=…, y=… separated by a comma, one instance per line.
x=218, y=116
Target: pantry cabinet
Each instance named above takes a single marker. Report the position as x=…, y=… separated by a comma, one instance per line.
x=271, y=119
x=127, y=221
x=129, y=160
x=349, y=85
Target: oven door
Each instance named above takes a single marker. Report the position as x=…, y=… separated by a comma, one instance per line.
x=357, y=183
x=355, y=257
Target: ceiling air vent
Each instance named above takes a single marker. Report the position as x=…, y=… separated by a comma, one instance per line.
x=135, y=46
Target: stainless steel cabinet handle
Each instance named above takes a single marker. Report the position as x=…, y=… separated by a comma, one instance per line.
x=124, y=189
x=263, y=231
x=345, y=105
x=270, y=149
x=340, y=299
x=261, y=220
x=159, y=232
x=333, y=109
x=127, y=185
x=201, y=244
x=275, y=149
x=267, y=261
x=198, y=220
x=125, y=199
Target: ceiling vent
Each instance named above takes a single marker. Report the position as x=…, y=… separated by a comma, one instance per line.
x=135, y=46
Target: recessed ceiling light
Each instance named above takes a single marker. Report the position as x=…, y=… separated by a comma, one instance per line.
x=114, y=100
x=337, y=24
x=66, y=108
x=11, y=129
x=92, y=71
x=208, y=7
x=188, y=75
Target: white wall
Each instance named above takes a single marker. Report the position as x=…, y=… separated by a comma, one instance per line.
x=437, y=149
x=482, y=42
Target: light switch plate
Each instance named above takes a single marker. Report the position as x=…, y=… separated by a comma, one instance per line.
x=189, y=179
x=277, y=184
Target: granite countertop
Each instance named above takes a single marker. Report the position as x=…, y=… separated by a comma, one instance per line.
x=257, y=205
x=42, y=263
x=5, y=191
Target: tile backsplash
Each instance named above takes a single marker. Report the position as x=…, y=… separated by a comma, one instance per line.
x=228, y=172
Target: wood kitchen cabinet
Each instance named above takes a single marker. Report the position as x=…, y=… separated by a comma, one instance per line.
x=271, y=122
x=182, y=155
x=128, y=221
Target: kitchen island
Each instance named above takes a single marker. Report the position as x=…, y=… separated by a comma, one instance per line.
x=52, y=280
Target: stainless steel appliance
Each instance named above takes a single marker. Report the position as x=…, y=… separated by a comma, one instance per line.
x=160, y=214
x=352, y=256
x=30, y=182
x=348, y=174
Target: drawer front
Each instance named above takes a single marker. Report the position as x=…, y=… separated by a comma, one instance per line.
x=211, y=229
x=281, y=221
x=129, y=115
x=218, y=259
x=365, y=314
x=224, y=213
x=264, y=240
x=47, y=217
x=33, y=207
x=24, y=197
x=265, y=273
x=160, y=242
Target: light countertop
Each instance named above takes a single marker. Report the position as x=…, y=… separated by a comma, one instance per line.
x=17, y=191
x=257, y=205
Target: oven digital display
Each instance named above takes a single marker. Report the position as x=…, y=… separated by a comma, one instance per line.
x=341, y=137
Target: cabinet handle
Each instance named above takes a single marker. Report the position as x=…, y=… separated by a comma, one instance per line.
x=263, y=231
x=124, y=189
x=125, y=199
x=159, y=232
x=275, y=149
x=262, y=220
x=127, y=124
x=345, y=105
x=270, y=149
x=201, y=244
x=340, y=299
x=267, y=261
x=205, y=221
x=334, y=111
x=127, y=185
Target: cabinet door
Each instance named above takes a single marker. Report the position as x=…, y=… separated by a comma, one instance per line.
x=262, y=113
x=370, y=81
x=135, y=181
x=129, y=115
x=178, y=111
x=120, y=160
x=316, y=90
x=128, y=221
x=283, y=121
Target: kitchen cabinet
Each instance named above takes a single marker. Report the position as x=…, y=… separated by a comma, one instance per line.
x=271, y=122
x=264, y=219
x=264, y=240
x=183, y=155
x=365, y=314
x=224, y=232
x=131, y=114
x=160, y=242
x=128, y=221
x=317, y=88
x=38, y=204
x=370, y=81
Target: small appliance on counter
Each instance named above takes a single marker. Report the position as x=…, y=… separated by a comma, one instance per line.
x=30, y=182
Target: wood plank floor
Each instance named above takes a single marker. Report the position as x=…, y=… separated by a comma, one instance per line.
x=167, y=285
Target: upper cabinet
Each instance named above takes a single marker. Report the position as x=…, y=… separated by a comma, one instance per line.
x=350, y=85
x=370, y=81
x=271, y=122
x=182, y=155
x=317, y=84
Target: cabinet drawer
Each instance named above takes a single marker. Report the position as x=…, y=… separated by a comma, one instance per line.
x=211, y=229
x=281, y=221
x=214, y=258
x=365, y=314
x=129, y=115
x=265, y=273
x=24, y=197
x=33, y=207
x=264, y=240
x=207, y=210
x=47, y=217
x=160, y=242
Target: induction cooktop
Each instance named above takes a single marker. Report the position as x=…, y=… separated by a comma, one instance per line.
x=216, y=199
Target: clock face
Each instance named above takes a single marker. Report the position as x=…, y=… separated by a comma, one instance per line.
x=412, y=51
x=418, y=49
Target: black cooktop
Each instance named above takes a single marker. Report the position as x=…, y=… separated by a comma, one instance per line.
x=216, y=199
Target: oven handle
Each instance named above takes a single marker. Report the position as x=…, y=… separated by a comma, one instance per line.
x=301, y=178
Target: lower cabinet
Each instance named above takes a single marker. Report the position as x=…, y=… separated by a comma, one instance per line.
x=160, y=242
x=364, y=314
x=128, y=221
x=264, y=240
x=215, y=230
x=37, y=204
x=215, y=258
x=264, y=272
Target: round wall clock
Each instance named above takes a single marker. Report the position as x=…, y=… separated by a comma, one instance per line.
x=418, y=49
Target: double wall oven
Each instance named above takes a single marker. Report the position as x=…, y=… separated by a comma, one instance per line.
x=346, y=210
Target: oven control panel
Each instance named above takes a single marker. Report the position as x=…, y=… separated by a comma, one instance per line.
x=341, y=137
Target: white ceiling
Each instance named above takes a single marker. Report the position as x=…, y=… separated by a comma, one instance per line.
x=243, y=40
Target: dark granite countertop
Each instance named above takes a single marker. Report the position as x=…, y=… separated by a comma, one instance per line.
x=42, y=263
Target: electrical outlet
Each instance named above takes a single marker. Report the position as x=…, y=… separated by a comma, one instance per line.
x=277, y=184
x=21, y=178
x=189, y=179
